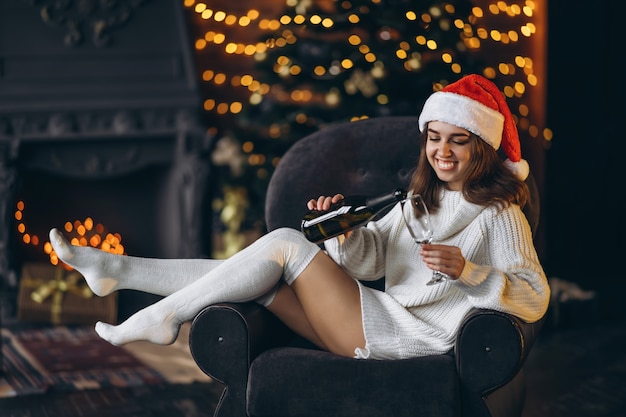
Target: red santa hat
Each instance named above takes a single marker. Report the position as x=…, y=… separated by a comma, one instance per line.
x=476, y=104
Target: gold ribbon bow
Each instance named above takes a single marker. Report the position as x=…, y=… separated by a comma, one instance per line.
x=57, y=288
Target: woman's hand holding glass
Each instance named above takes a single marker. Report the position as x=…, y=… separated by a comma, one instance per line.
x=446, y=259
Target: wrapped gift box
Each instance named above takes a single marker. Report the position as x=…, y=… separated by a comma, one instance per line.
x=55, y=295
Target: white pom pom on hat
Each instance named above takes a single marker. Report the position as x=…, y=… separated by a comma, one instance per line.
x=476, y=104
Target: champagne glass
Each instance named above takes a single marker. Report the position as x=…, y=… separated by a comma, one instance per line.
x=417, y=220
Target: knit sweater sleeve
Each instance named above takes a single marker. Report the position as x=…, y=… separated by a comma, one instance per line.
x=362, y=254
x=512, y=279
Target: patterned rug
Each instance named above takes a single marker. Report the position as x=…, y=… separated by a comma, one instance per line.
x=67, y=359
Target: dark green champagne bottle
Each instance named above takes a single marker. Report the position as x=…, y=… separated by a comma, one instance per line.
x=346, y=215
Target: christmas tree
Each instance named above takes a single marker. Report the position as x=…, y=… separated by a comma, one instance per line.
x=325, y=61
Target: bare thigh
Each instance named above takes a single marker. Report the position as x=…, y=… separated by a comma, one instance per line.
x=288, y=309
x=324, y=306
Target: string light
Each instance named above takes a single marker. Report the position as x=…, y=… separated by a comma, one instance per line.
x=81, y=233
x=494, y=31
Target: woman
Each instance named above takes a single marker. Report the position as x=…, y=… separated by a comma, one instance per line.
x=484, y=245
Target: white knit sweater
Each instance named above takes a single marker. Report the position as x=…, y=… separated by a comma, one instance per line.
x=502, y=272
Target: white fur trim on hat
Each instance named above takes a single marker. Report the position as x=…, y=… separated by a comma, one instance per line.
x=462, y=111
x=520, y=169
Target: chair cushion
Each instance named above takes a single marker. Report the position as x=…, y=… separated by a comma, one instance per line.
x=303, y=382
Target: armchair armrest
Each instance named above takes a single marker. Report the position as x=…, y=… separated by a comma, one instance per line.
x=230, y=335
x=225, y=338
x=490, y=351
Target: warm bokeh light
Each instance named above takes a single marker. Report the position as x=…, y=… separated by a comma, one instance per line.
x=269, y=74
x=475, y=31
x=79, y=233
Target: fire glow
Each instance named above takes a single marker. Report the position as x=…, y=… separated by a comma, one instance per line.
x=79, y=233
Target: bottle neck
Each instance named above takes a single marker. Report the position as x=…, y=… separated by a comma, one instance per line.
x=387, y=199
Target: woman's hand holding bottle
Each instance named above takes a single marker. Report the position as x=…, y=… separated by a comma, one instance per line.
x=323, y=203
x=443, y=258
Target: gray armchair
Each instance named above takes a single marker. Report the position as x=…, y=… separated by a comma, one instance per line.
x=268, y=371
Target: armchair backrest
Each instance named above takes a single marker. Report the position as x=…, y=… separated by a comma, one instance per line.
x=367, y=157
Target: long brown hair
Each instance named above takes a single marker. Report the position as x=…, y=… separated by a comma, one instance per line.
x=487, y=182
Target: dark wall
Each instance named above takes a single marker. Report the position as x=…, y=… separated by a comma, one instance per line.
x=584, y=204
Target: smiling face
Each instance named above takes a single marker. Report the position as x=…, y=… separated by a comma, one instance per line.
x=448, y=151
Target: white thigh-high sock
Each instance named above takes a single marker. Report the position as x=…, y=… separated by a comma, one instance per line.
x=248, y=275
x=106, y=272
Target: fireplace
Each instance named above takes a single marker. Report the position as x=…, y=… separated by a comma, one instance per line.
x=155, y=199
x=100, y=119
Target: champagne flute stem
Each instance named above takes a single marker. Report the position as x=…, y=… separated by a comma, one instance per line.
x=438, y=277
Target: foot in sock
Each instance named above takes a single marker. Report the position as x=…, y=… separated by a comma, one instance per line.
x=95, y=265
x=150, y=324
